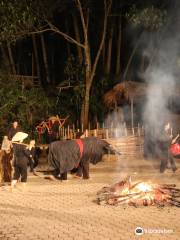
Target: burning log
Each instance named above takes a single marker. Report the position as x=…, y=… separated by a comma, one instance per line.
x=139, y=194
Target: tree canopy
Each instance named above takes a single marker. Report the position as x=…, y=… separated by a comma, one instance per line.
x=86, y=45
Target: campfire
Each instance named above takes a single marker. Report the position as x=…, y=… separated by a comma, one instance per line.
x=139, y=194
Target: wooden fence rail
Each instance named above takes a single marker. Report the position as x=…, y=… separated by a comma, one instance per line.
x=128, y=141
x=103, y=133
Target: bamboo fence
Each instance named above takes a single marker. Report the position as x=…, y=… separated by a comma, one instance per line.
x=127, y=140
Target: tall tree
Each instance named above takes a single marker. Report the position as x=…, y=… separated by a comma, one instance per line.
x=45, y=59
x=11, y=59
x=26, y=18
x=36, y=56
x=78, y=38
x=118, y=57
x=90, y=63
x=109, y=48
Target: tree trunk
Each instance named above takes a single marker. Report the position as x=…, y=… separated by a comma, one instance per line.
x=36, y=56
x=85, y=103
x=109, y=53
x=130, y=58
x=118, y=57
x=78, y=38
x=13, y=68
x=90, y=70
x=45, y=58
x=104, y=56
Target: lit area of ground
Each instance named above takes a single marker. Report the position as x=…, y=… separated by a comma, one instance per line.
x=67, y=210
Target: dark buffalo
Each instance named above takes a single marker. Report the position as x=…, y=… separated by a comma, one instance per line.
x=66, y=155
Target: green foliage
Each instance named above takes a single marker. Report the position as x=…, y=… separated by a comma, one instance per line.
x=74, y=74
x=70, y=100
x=150, y=18
x=16, y=18
x=29, y=106
x=100, y=86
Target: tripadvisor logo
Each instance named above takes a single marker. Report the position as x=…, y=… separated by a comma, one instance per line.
x=139, y=231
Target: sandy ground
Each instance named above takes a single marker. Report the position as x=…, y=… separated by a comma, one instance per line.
x=67, y=210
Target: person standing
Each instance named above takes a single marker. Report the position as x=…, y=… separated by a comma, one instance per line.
x=21, y=157
x=5, y=161
x=54, y=130
x=13, y=130
x=33, y=160
x=164, y=142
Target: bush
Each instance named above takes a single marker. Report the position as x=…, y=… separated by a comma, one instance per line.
x=28, y=106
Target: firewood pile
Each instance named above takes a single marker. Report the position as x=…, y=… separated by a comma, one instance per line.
x=139, y=194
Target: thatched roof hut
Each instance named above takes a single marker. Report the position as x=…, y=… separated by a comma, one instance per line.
x=133, y=91
x=125, y=90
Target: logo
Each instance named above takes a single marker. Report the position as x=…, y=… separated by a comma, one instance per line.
x=139, y=231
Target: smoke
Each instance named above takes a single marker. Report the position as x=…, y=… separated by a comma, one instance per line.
x=161, y=85
x=162, y=52
x=162, y=74
x=115, y=120
x=161, y=81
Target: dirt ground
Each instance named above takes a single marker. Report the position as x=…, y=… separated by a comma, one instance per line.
x=67, y=210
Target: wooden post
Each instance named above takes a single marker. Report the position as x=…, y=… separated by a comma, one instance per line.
x=82, y=128
x=111, y=129
x=142, y=130
x=62, y=129
x=62, y=132
x=65, y=135
x=116, y=132
x=95, y=132
x=107, y=133
x=59, y=131
x=139, y=130
x=125, y=129
x=133, y=131
x=68, y=135
x=89, y=126
x=132, y=115
x=73, y=130
x=86, y=133
x=103, y=131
